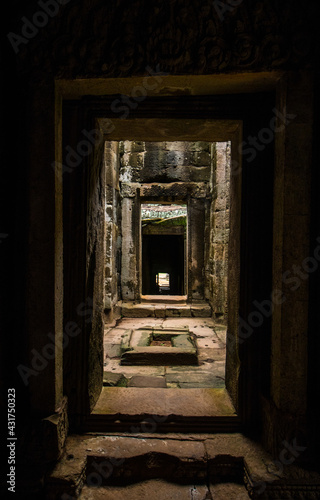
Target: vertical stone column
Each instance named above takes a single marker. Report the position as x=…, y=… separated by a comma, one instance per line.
x=220, y=228
x=111, y=159
x=44, y=261
x=293, y=135
x=128, y=262
x=196, y=218
x=233, y=274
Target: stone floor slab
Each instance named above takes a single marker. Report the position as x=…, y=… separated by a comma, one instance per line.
x=147, y=382
x=129, y=370
x=128, y=323
x=147, y=490
x=195, y=380
x=112, y=379
x=210, y=343
x=112, y=350
x=217, y=383
x=218, y=354
x=136, y=401
x=229, y=491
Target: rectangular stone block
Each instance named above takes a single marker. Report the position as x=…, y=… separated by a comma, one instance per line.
x=131, y=310
x=204, y=147
x=160, y=311
x=200, y=159
x=201, y=311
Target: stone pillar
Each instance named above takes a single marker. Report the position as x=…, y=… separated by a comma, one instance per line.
x=219, y=237
x=196, y=231
x=128, y=262
x=44, y=295
x=291, y=244
x=111, y=159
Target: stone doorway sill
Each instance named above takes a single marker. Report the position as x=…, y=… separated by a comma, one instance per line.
x=199, y=309
x=163, y=410
x=169, y=299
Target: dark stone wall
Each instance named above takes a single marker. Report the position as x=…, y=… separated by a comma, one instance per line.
x=122, y=38
x=112, y=290
x=95, y=281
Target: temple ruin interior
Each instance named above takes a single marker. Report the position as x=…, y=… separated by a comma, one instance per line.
x=160, y=250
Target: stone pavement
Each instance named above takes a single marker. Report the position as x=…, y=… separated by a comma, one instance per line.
x=163, y=490
x=211, y=343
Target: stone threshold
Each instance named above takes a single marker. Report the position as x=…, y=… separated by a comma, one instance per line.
x=167, y=299
x=110, y=461
x=165, y=310
x=167, y=410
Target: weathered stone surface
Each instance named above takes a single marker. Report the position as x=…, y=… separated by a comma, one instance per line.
x=125, y=340
x=165, y=402
x=201, y=311
x=160, y=311
x=146, y=491
x=157, y=355
x=131, y=310
x=178, y=311
x=256, y=459
x=112, y=350
x=182, y=341
x=225, y=462
x=141, y=337
x=229, y=491
x=143, y=381
x=195, y=380
x=111, y=379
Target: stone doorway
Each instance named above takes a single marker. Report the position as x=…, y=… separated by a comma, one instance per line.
x=175, y=230
x=173, y=254
x=120, y=196
x=164, y=245
x=148, y=181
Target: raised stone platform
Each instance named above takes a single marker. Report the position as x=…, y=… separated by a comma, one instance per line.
x=159, y=309
x=137, y=349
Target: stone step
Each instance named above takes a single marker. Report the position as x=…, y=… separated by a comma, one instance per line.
x=167, y=299
x=166, y=491
x=165, y=310
x=163, y=466
x=138, y=403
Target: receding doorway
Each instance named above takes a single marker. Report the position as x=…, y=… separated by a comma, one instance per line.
x=164, y=233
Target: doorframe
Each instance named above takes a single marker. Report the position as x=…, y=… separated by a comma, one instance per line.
x=185, y=271
x=234, y=134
